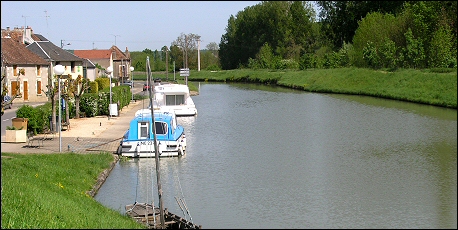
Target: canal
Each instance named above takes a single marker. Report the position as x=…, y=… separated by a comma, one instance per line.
x=269, y=157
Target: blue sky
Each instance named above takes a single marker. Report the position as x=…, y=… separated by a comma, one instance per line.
x=133, y=24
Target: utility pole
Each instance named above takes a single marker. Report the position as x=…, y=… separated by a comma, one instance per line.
x=198, y=54
x=167, y=63
x=186, y=44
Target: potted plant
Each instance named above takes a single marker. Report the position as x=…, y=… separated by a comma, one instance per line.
x=15, y=135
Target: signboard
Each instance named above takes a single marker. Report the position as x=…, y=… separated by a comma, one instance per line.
x=184, y=72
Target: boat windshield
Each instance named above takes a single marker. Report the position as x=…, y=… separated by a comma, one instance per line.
x=161, y=128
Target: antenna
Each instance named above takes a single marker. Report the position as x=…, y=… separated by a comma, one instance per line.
x=25, y=22
x=46, y=13
x=47, y=27
x=115, y=37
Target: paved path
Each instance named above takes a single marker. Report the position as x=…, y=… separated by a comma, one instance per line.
x=86, y=135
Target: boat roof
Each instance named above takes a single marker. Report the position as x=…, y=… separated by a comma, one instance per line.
x=173, y=88
x=158, y=116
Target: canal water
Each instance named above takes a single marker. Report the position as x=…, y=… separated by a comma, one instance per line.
x=269, y=157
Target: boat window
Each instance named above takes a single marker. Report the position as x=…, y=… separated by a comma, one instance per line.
x=174, y=100
x=143, y=130
x=161, y=128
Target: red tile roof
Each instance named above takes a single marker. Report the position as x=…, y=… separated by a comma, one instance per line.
x=93, y=54
x=15, y=53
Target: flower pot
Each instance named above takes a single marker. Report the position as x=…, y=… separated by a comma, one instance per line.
x=16, y=136
x=20, y=122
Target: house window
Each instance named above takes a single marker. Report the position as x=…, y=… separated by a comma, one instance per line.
x=38, y=70
x=15, y=87
x=122, y=69
x=174, y=99
x=39, y=87
x=14, y=70
x=143, y=130
x=73, y=67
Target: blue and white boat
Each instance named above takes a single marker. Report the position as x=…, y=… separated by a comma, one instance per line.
x=138, y=141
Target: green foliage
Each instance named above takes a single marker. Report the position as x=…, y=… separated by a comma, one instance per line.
x=346, y=55
x=308, y=61
x=213, y=67
x=93, y=87
x=340, y=19
x=413, y=52
x=102, y=83
x=89, y=104
x=285, y=26
x=331, y=60
x=388, y=54
x=36, y=118
x=370, y=55
x=440, y=50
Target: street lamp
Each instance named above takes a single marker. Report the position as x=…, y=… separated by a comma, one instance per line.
x=59, y=70
x=132, y=82
x=109, y=71
x=62, y=44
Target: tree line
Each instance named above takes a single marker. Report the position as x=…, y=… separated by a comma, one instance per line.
x=366, y=34
x=290, y=35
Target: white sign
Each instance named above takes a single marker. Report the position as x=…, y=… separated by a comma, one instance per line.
x=184, y=72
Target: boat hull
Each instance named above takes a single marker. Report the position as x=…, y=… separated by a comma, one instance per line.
x=145, y=148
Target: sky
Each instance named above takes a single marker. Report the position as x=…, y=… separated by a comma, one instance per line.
x=137, y=25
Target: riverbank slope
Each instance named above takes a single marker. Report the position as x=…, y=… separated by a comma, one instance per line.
x=418, y=86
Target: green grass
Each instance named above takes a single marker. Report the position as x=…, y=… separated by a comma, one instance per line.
x=50, y=191
x=438, y=88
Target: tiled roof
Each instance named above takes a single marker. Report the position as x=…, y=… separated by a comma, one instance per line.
x=118, y=54
x=93, y=54
x=15, y=34
x=48, y=51
x=39, y=37
x=15, y=53
x=88, y=63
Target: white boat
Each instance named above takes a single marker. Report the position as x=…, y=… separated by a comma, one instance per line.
x=174, y=97
x=138, y=141
x=156, y=217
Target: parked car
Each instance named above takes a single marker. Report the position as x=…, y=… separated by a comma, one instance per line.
x=129, y=83
x=145, y=87
x=7, y=102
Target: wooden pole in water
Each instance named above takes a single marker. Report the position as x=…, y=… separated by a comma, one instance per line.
x=156, y=147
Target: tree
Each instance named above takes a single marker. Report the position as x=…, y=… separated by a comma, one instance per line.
x=189, y=44
x=287, y=26
x=340, y=18
x=77, y=87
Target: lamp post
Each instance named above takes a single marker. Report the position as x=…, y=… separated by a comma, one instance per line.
x=62, y=44
x=109, y=71
x=132, y=81
x=59, y=70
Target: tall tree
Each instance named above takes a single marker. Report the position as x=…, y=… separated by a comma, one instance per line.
x=340, y=18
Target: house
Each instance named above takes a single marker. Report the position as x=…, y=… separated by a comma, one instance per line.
x=57, y=56
x=102, y=58
x=111, y=57
x=50, y=53
x=89, y=69
x=26, y=73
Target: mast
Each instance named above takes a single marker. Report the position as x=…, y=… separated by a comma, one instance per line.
x=156, y=147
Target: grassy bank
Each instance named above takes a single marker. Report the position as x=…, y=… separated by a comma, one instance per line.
x=50, y=191
x=419, y=86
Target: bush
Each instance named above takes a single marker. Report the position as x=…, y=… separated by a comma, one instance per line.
x=36, y=118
